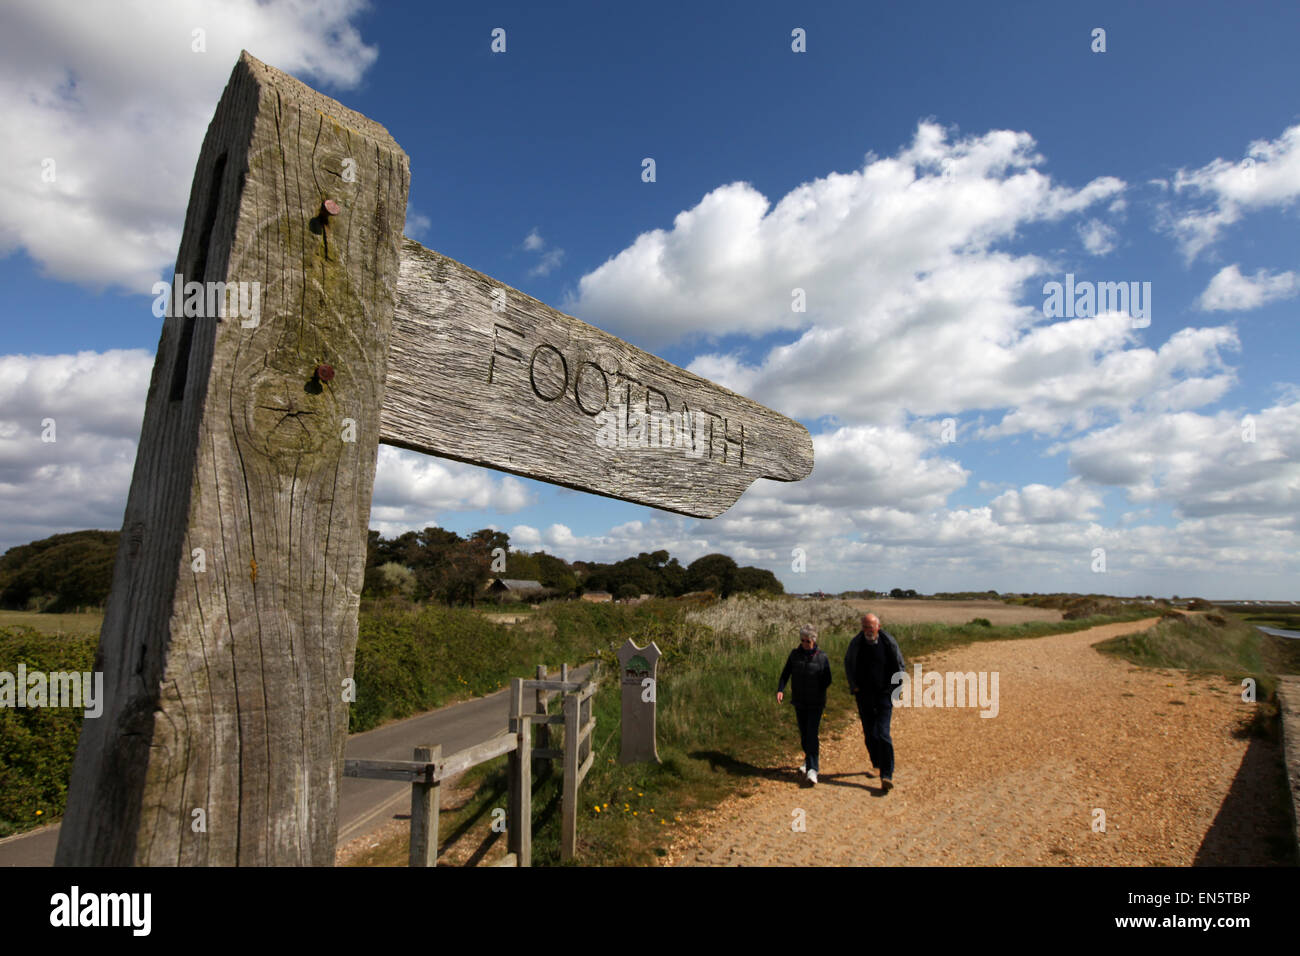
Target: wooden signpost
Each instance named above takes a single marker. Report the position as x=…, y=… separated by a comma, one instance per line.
x=228, y=639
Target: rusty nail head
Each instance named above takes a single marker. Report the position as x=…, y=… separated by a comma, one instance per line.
x=332, y=207
x=325, y=372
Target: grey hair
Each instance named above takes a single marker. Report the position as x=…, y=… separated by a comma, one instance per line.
x=808, y=631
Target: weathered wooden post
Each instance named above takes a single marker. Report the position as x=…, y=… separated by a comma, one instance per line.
x=519, y=828
x=577, y=762
x=232, y=621
x=230, y=631
x=426, y=801
x=569, y=795
x=584, y=718
x=544, y=729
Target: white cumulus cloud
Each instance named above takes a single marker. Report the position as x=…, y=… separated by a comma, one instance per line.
x=1227, y=463
x=1269, y=175
x=113, y=99
x=1230, y=291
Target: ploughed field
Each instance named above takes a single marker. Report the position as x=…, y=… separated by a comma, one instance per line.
x=894, y=611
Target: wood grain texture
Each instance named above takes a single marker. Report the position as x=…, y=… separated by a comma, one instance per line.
x=569, y=791
x=543, y=736
x=359, y=769
x=562, y=685
x=462, y=760
x=426, y=801
x=547, y=720
x=224, y=686
x=538, y=393
x=519, y=830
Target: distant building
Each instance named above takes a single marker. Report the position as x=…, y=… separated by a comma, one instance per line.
x=598, y=597
x=512, y=586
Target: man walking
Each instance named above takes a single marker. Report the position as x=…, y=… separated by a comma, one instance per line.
x=872, y=661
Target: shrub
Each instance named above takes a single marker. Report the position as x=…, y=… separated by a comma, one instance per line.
x=37, y=744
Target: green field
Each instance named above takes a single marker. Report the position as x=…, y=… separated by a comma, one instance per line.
x=87, y=622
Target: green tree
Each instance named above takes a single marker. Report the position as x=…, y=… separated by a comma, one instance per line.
x=522, y=566
x=60, y=573
x=758, y=579
x=672, y=579
x=555, y=573
x=397, y=579
x=713, y=572
x=460, y=574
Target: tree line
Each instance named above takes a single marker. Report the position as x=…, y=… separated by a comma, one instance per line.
x=69, y=572
x=438, y=565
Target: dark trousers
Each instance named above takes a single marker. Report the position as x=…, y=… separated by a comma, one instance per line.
x=810, y=719
x=875, y=711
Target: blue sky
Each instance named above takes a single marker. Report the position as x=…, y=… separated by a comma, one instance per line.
x=921, y=171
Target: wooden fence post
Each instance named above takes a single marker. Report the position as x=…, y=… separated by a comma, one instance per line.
x=584, y=715
x=225, y=679
x=544, y=730
x=569, y=799
x=519, y=829
x=426, y=801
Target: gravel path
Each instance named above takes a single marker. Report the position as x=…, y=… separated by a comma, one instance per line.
x=1076, y=731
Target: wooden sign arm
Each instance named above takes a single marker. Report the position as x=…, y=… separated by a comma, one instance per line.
x=483, y=373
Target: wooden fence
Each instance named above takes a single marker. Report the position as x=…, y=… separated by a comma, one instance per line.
x=426, y=771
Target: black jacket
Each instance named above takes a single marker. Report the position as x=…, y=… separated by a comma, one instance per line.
x=811, y=673
x=893, y=661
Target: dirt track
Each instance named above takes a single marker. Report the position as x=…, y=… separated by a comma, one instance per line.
x=1076, y=731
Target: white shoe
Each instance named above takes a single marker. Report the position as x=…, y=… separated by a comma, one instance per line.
x=812, y=776
x=803, y=768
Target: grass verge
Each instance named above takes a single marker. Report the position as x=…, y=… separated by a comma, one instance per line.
x=1229, y=645
x=1211, y=644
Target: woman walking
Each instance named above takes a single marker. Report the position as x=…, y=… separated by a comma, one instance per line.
x=809, y=670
